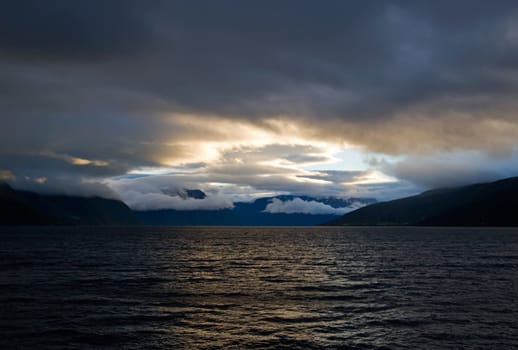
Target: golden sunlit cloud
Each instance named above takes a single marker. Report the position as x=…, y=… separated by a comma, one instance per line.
x=40, y=180
x=82, y=161
x=6, y=175
x=207, y=139
x=75, y=160
x=371, y=177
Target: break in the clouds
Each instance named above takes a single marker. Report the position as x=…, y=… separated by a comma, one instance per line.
x=331, y=98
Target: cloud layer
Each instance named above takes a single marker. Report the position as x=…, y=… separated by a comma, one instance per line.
x=257, y=94
x=301, y=206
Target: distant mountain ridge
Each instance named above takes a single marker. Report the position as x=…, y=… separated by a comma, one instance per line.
x=29, y=208
x=186, y=193
x=484, y=204
x=249, y=213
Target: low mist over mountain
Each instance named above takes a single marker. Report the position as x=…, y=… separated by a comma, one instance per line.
x=284, y=210
x=486, y=204
x=29, y=208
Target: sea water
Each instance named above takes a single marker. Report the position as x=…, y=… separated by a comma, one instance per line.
x=258, y=288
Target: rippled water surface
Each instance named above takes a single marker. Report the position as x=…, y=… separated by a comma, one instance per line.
x=293, y=288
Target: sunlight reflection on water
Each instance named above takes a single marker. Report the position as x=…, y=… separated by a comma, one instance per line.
x=259, y=287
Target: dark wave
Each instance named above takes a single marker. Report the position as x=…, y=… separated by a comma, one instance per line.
x=267, y=288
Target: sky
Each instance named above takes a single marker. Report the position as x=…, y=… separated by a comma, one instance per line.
x=137, y=100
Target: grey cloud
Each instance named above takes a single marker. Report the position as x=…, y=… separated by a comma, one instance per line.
x=341, y=60
x=338, y=176
x=107, y=79
x=61, y=29
x=155, y=201
x=300, y=206
x=155, y=192
x=64, y=185
x=385, y=191
x=454, y=169
x=306, y=158
x=306, y=153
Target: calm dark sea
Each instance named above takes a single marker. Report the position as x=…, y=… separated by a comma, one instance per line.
x=260, y=288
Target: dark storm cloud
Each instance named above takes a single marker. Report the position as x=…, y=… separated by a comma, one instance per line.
x=340, y=59
x=106, y=81
x=64, y=29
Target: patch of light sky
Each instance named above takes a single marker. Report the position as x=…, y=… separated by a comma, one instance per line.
x=351, y=159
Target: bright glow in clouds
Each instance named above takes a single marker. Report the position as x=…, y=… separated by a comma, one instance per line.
x=372, y=177
x=205, y=138
x=245, y=169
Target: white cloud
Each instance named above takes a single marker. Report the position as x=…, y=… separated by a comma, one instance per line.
x=300, y=206
x=158, y=192
x=155, y=201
